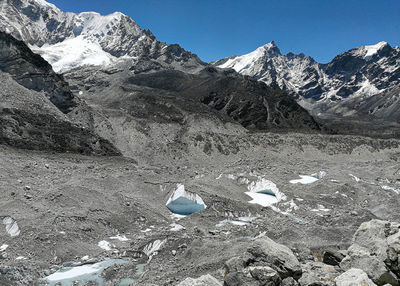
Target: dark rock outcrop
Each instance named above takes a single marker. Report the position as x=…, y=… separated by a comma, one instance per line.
x=37, y=108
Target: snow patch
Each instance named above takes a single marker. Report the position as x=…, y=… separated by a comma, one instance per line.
x=153, y=247
x=233, y=222
x=319, y=175
x=104, y=245
x=262, y=199
x=11, y=226
x=74, y=272
x=373, y=49
x=74, y=52
x=176, y=227
x=240, y=222
x=83, y=273
x=291, y=206
x=304, y=180
x=3, y=247
x=120, y=237
x=321, y=208
x=309, y=179
x=355, y=178
x=264, y=192
x=390, y=189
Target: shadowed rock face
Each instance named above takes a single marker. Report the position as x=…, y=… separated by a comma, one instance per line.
x=33, y=72
x=251, y=103
x=37, y=109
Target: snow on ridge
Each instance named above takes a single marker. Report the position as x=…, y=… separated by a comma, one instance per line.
x=373, y=49
x=247, y=61
x=367, y=88
x=74, y=52
x=93, y=23
x=44, y=3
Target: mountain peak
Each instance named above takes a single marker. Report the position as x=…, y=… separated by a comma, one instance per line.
x=68, y=40
x=269, y=45
x=271, y=48
x=43, y=3
x=368, y=51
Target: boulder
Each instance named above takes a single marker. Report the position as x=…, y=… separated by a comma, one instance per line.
x=239, y=279
x=205, y=280
x=375, y=249
x=264, y=263
x=318, y=273
x=354, y=277
x=267, y=252
x=332, y=257
x=289, y=282
x=393, y=252
x=265, y=275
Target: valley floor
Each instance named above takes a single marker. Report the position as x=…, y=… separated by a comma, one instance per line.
x=70, y=209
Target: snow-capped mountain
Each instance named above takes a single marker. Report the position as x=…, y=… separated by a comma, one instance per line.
x=360, y=72
x=67, y=40
x=297, y=74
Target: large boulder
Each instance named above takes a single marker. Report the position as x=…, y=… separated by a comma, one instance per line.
x=238, y=272
x=205, y=280
x=375, y=249
x=277, y=256
x=264, y=263
x=354, y=277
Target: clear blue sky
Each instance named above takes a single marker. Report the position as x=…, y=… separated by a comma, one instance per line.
x=214, y=29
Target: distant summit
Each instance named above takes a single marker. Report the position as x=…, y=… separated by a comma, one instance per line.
x=354, y=76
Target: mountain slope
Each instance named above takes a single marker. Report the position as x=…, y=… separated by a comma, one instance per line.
x=37, y=109
x=67, y=40
x=297, y=74
x=157, y=109
x=350, y=77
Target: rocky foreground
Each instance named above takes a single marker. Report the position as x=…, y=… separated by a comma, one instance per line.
x=372, y=259
x=110, y=216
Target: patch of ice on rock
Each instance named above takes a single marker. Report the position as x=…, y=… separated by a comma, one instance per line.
x=309, y=179
x=153, y=247
x=176, y=227
x=11, y=226
x=120, y=237
x=264, y=192
x=104, y=245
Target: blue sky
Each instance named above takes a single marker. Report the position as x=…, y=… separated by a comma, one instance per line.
x=214, y=29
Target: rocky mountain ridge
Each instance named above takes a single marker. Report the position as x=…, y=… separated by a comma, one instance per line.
x=347, y=86
x=67, y=40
